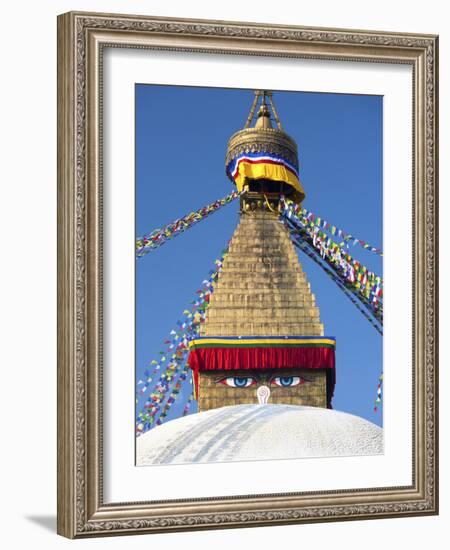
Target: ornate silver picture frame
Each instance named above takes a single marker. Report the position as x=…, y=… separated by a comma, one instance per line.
x=83, y=39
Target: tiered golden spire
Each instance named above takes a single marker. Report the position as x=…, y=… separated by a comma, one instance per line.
x=262, y=290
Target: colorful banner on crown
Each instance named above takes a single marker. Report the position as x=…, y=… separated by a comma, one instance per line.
x=158, y=237
x=173, y=358
x=264, y=165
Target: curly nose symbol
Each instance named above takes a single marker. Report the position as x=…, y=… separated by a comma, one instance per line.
x=263, y=394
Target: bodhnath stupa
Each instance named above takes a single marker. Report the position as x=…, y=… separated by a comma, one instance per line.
x=263, y=366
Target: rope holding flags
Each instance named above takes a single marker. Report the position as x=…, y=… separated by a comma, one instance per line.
x=158, y=237
x=344, y=237
x=311, y=234
x=379, y=393
x=188, y=403
x=173, y=395
x=175, y=355
x=367, y=285
x=305, y=247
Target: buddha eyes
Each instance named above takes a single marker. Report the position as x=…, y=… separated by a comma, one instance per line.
x=287, y=381
x=239, y=381
x=246, y=381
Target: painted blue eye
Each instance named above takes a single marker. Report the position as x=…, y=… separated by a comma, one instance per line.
x=287, y=381
x=241, y=382
x=238, y=381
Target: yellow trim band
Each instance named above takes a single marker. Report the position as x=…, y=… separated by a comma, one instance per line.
x=256, y=341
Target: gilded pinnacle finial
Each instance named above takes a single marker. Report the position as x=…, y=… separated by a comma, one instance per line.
x=263, y=120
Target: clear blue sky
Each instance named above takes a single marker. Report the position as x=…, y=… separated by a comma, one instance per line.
x=181, y=140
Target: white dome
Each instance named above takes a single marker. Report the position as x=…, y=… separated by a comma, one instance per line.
x=259, y=432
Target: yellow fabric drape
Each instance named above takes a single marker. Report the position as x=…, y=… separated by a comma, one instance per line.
x=270, y=171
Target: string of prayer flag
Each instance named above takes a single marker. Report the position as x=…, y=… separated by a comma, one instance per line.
x=312, y=253
x=158, y=237
x=173, y=358
x=354, y=274
x=343, y=236
x=379, y=393
x=188, y=403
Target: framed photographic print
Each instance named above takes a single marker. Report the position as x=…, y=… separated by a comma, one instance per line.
x=290, y=327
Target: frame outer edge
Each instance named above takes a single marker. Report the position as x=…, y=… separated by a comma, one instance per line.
x=65, y=279
x=436, y=268
x=79, y=493
x=433, y=329
x=94, y=281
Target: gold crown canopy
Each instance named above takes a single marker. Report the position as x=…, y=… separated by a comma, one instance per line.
x=264, y=141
